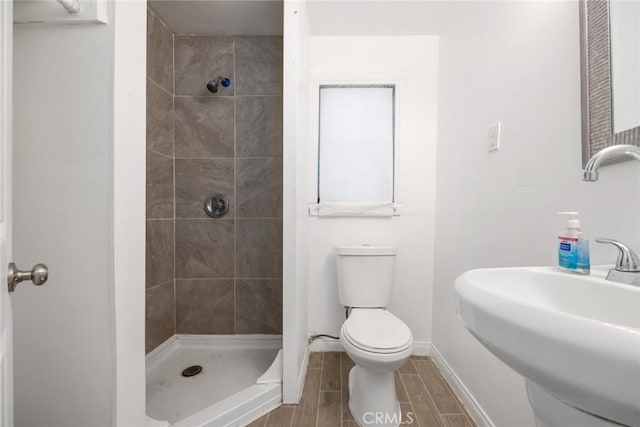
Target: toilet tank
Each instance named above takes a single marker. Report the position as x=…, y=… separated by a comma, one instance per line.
x=365, y=275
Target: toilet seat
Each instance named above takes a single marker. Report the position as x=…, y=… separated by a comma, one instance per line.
x=376, y=330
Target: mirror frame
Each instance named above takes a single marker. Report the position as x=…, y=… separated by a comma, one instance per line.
x=597, y=90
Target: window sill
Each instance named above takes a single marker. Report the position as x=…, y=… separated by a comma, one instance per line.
x=336, y=209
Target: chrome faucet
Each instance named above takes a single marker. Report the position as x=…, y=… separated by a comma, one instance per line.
x=627, y=269
x=615, y=152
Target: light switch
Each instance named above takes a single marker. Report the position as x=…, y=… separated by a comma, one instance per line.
x=494, y=137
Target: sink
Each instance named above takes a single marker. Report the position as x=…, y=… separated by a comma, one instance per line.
x=576, y=337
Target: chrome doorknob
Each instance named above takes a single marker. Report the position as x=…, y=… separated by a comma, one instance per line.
x=38, y=275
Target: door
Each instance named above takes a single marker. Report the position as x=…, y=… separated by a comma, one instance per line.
x=60, y=132
x=62, y=180
x=6, y=317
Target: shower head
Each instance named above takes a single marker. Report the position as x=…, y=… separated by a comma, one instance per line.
x=213, y=85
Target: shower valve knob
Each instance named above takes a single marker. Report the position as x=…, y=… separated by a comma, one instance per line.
x=216, y=206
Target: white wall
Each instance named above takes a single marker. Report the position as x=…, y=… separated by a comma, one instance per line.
x=64, y=350
x=411, y=63
x=374, y=17
x=295, y=126
x=128, y=175
x=518, y=63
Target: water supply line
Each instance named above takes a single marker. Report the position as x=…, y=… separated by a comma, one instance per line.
x=314, y=337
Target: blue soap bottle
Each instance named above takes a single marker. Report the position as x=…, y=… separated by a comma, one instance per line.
x=573, y=246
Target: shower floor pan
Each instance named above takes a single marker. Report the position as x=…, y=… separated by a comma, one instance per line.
x=241, y=379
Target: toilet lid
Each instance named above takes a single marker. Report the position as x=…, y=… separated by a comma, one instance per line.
x=376, y=330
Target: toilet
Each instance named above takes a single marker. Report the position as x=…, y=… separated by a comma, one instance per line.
x=376, y=340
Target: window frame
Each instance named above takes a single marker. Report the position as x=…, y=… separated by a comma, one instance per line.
x=315, y=100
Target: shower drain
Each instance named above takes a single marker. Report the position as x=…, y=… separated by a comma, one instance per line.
x=192, y=371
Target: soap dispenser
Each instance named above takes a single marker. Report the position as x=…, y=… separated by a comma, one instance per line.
x=573, y=246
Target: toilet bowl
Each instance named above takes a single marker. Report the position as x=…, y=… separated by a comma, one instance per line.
x=376, y=340
x=378, y=343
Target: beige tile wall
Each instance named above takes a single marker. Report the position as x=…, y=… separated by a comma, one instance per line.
x=160, y=240
x=225, y=275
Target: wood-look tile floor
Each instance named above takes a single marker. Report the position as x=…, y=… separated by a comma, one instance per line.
x=425, y=397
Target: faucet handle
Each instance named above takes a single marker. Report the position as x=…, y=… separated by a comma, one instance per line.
x=627, y=259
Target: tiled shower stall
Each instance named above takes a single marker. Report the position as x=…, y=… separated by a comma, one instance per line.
x=208, y=275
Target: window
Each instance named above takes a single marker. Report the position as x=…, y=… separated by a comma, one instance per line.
x=356, y=144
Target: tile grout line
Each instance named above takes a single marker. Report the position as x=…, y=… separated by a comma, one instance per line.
x=235, y=191
x=151, y=150
x=158, y=18
x=228, y=96
x=404, y=388
x=409, y=397
x=173, y=59
x=413, y=412
x=219, y=219
x=159, y=86
x=226, y=158
x=259, y=96
x=451, y=392
x=319, y=390
x=158, y=284
x=293, y=416
x=173, y=118
x=227, y=278
x=341, y=388
x=432, y=400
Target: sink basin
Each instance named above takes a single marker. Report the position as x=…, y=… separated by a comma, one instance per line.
x=577, y=337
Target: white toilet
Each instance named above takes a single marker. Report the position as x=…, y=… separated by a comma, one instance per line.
x=376, y=340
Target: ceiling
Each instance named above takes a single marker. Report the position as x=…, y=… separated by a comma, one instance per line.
x=221, y=17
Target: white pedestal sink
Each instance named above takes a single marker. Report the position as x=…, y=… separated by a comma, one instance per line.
x=575, y=338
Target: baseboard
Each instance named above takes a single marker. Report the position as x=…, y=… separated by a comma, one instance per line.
x=420, y=348
x=321, y=345
x=468, y=400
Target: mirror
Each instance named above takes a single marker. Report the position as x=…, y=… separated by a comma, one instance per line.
x=610, y=56
x=625, y=63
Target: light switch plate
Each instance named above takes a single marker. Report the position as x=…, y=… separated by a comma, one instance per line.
x=494, y=137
